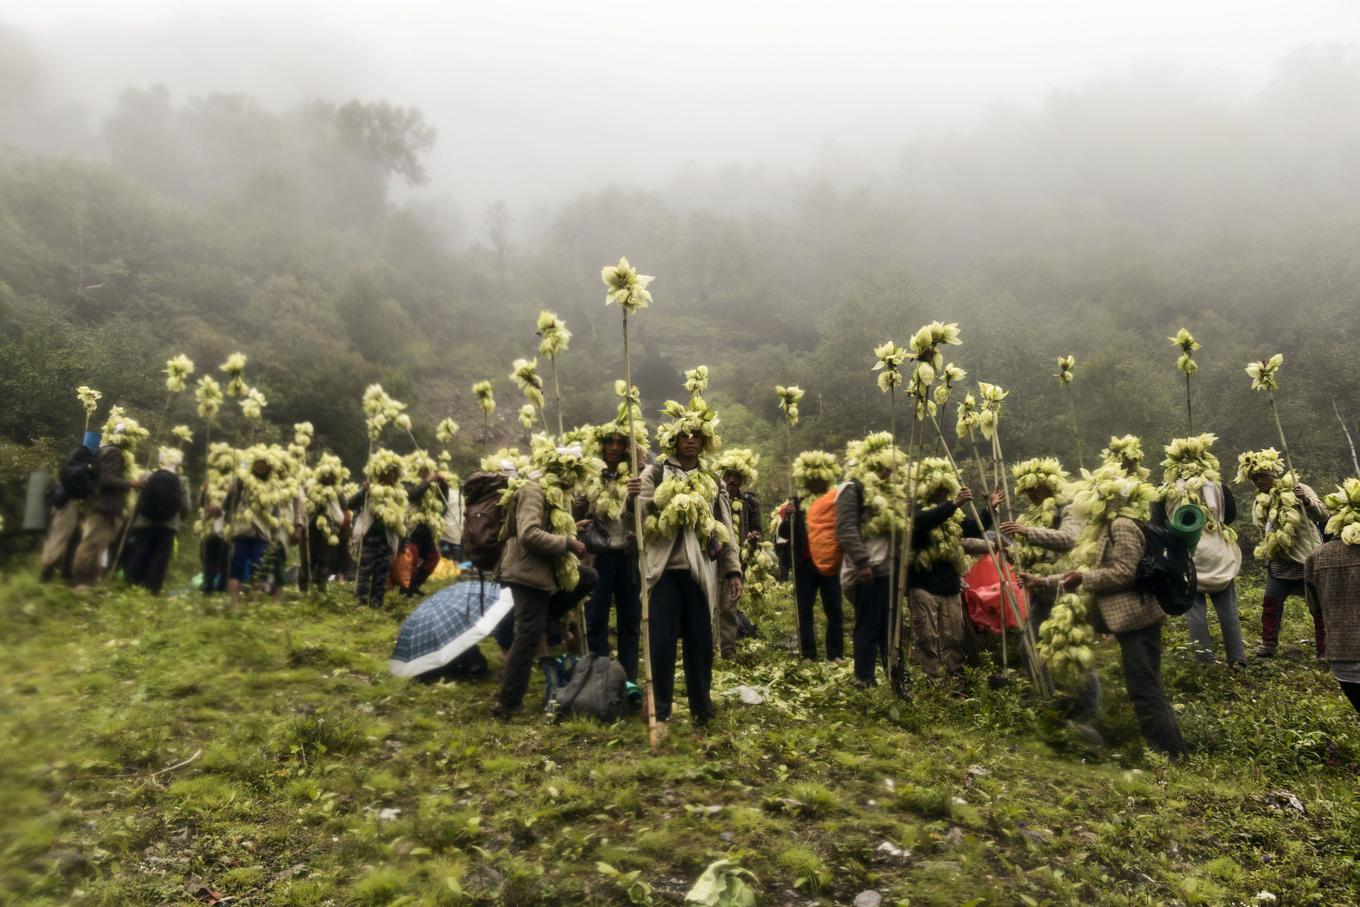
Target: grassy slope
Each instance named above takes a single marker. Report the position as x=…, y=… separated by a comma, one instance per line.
x=306, y=740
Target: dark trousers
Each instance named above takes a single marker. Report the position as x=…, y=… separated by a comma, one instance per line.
x=427, y=557
x=375, y=562
x=871, y=627
x=810, y=582
x=679, y=612
x=147, y=556
x=215, y=553
x=1352, y=691
x=317, y=560
x=1278, y=592
x=617, y=590
x=531, y=619
x=1141, y=651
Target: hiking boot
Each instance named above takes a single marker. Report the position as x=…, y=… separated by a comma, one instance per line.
x=1264, y=651
x=502, y=713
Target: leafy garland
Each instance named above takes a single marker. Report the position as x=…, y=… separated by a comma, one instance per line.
x=741, y=460
x=930, y=476
x=321, y=495
x=559, y=473
x=884, y=499
x=696, y=419
x=262, y=498
x=221, y=468
x=1126, y=452
x=815, y=465
x=429, y=510
x=685, y=501
x=124, y=432
x=1344, y=507
x=1102, y=496
x=387, y=503
x=762, y=571
x=1046, y=473
x=1276, y=511
x=1188, y=467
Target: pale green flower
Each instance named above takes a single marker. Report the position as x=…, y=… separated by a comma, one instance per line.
x=1066, y=364
x=89, y=399
x=253, y=403
x=445, y=430
x=177, y=372
x=625, y=287
x=553, y=334
x=485, y=397
x=1263, y=373
x=208, y=393
x=525, y=376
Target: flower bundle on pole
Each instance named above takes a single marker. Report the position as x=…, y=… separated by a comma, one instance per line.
x=235, y=370
x=89, y=401
x=789, y=398
x=1264, y=380
x=183, y=434
x=1066, y=372
x=445, y=430
x=1277, y=511
x=177, y=372
x=1187, y=365
x=525, y=376
x=553, y=340
x=627, y=289
x=486, y=399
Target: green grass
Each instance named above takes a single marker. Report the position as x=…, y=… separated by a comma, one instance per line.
x=324, y=781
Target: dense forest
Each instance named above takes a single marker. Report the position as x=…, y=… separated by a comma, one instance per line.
x=1096, y=225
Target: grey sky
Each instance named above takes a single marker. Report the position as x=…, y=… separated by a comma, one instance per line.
x=535, y=100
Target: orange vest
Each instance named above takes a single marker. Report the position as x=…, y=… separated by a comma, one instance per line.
x=821, y=535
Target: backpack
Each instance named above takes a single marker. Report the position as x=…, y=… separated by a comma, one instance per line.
x=598, y=688
x=160, y=501
x=1166, y=570
x=482, y=518
x=79, y=473
x=820, y=524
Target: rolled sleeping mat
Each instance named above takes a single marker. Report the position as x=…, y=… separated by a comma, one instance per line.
x=91, y=440
x=1187, y=524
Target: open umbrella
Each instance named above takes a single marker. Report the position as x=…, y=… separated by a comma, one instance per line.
x=447, y=624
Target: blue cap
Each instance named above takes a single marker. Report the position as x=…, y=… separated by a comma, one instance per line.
x=91, y=440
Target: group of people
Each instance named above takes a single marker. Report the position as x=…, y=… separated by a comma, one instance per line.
x=255, y=507
x=589, y=522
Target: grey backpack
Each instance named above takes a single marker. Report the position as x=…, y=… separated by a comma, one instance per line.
x=597, y=689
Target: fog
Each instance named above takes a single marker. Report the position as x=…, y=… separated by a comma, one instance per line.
x=536, y=101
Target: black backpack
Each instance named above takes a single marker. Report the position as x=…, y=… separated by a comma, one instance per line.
x=160, y=498
x=482, y=518
x=79, y=473
x=1166, y=570
x=598, y=689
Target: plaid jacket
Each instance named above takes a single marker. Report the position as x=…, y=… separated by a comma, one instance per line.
x=1062, y=537
x=1331, y=577
x=1123, y=607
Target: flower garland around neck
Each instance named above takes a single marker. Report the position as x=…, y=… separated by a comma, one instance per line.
x=559, y=472
x=1276, y=511
x=1344, y=507
x=1188, y=467
x=221, y=469
x=884, y=498
x=322, y=490
x=814, y=467
x=263, y=497
x=388, y=503
x=684, y=500
x=1126, y=452
x=429, y=510
x=761, y=579
x=1046, y=473
x=945, y=542
x=1101, y=496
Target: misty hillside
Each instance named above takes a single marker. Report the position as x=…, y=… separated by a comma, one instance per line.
x=1095, y=225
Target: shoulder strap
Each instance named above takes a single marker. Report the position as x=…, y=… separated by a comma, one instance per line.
x=658, y=472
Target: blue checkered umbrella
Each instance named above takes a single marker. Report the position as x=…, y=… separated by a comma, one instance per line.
x=447, y=624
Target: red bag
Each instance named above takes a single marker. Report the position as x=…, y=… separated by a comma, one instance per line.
x=402, y=566
x=987, y=606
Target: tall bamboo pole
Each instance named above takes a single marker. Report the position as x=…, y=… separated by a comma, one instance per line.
x=1355, y=462
x=557, y=392
x=649, y=693
x=794, y=510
